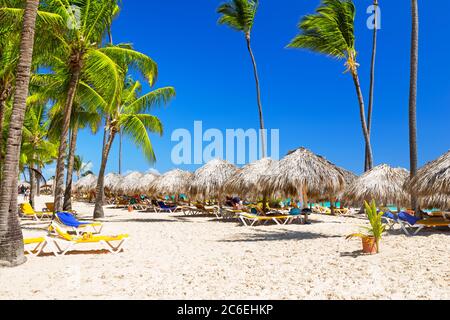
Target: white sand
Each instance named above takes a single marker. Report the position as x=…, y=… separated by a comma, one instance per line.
x=175, y=257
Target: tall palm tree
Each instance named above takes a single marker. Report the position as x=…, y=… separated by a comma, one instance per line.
x=372, y=78
x=240, y=15
x=11, y=238
x=130, y=118
x=331, y=32
x=413, y=97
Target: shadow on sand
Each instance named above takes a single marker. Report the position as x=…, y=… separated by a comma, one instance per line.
x=259, y=235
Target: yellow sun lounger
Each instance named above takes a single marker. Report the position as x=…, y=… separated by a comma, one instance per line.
x=63, y=238
x=36, y=244
x=28, y=212
x=251, y=220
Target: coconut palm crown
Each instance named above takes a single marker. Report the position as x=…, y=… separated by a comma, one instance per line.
x=239, y=14
x=330, y=31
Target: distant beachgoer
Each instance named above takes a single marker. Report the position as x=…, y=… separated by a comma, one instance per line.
x=26, y=195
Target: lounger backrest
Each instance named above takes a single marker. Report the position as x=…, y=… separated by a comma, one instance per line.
x=27, y=208
x=60, y=232
x=68, y=219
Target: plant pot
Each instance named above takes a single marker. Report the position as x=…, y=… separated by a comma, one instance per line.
x=130, y=209
x=370, y=245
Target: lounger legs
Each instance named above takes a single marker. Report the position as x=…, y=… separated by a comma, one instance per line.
x=58, y=251
x=37, y=250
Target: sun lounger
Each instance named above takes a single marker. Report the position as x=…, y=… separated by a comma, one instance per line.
x=251, y=220
x=215, y=210
x=28, y=212
x=64, y=239
x=408, y=221
x=322, y=210
x=162, y=207
x=34, y=246
x=68, y=220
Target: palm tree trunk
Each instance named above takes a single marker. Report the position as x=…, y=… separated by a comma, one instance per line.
x=70, y=164
x=2, y=110
x=59, y=180
x=38, y=183
x=5, y=94
x=363, y=117
x=372, y=83
x=99, y=200
x=258, y=96
x=11, y=238
x=120, y=153
x=32, y=185
x=413, y=97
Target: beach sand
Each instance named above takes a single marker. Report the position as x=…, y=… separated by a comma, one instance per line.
x=178, y=257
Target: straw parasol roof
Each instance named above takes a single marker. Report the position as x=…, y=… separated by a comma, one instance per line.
x=112, y=180
x=433, y=178
x=128, y=184
x=303, y=172
x=26, y=184
x=174, y=182
x=437, y=201
x=246, y=180
x=145, y=183
x=209, y=180
x=382, y=184
x=86, y=184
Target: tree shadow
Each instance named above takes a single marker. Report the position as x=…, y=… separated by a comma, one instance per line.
x=354, y=254
x=259, y=235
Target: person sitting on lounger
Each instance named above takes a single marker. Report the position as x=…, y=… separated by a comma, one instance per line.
x=237, y=203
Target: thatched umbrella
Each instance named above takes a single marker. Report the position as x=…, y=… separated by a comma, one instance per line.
x=437, y=201
x=144, y=185
x=174, y=182
x=209, y=181
x=304, y=174
x=246, y=180
x=111, y=181
x=86, y=184
x=128, y=184
x=433, y=178
x=382, y=184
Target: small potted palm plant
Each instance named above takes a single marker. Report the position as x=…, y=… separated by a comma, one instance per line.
x=371, y=239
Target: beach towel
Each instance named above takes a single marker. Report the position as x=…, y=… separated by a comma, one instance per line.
x=69, y=220
x=408, y=218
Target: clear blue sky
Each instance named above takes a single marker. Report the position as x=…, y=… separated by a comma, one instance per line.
x=305, y=95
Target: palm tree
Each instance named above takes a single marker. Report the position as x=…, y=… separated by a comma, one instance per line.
x=413, y=97
x=11, y=238
x=130, y=118
x=240, y=15
x=76, y=46
x=36, y=150
x=80, y=168
x=372, y=79
x=331, y=32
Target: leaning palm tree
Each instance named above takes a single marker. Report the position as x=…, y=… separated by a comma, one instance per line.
x=240, y=15
x=413, y=97
x=11, y=238
x=331, y=32
x=131, y=118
